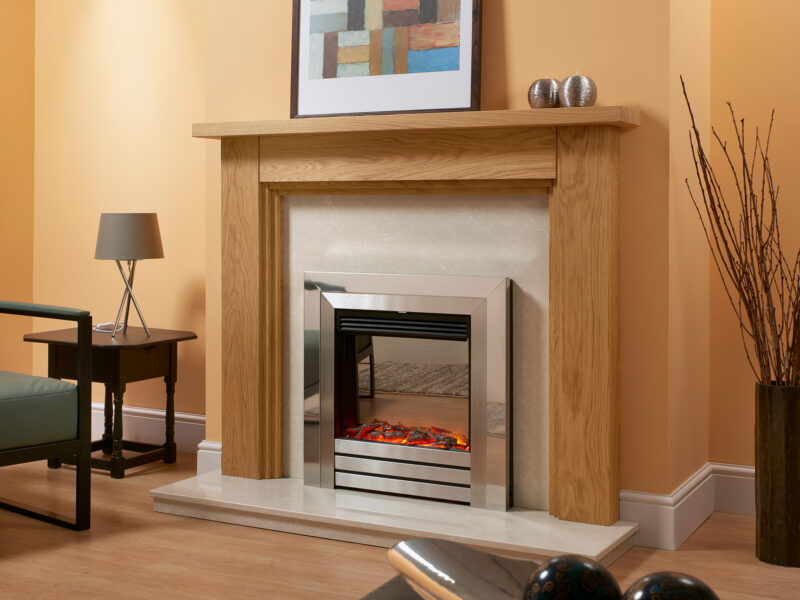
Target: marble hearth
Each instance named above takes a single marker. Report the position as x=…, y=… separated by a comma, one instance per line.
x=287, y=505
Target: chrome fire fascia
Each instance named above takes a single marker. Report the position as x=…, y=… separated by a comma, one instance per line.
x=487, y=300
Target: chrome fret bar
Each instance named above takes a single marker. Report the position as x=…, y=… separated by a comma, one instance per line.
x=430, y=456
x=390, y=468
x=402, y=486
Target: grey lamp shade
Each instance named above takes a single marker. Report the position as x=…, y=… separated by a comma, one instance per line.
x=128, y=236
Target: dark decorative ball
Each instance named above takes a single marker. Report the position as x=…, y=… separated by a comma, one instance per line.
x=571, y=577
x=669, y=586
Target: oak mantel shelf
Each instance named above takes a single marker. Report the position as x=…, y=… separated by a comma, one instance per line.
x=619, y=116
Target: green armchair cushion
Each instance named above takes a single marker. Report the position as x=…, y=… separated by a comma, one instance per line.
x=36, y=410
x=52, y=311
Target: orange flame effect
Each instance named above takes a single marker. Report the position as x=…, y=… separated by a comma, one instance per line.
x=428, y=437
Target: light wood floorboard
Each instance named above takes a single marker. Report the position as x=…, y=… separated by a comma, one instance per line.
x=133, y=552
x=721, y=553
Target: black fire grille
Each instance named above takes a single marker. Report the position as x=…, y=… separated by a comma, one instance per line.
x=415, y=325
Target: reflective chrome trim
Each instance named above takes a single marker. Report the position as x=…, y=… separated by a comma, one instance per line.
x=326, y=388
x=394, y=284
x=419, y=303
x=402, y=469
x=402, y=486
x=442, y=569
x=487, y=301
x=311, y=437
x=433, y=456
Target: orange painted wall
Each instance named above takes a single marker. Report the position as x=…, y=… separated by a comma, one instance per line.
x=248, y=60
x=16, y=182
x=118, y=85
x=690, y=56
x=755, y=53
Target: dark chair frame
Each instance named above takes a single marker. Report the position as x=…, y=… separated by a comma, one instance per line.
x=80, y=447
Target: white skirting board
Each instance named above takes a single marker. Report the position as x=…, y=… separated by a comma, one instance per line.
x=148, y=425
x=666, y=520
x=209, y=457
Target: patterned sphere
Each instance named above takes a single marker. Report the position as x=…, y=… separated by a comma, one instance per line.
x=543, y=93
x=669, y=586
x=577, y=90
x=571, y=578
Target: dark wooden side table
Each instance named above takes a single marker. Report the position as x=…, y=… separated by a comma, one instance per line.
x=128, y=357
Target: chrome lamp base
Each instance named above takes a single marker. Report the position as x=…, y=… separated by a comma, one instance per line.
x=127, y=296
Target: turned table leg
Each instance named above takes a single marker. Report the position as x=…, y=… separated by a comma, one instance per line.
x=169, y=419
x=108, y=414
x=117, y=468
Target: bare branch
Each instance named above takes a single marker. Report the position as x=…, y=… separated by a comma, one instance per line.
x=762, y=286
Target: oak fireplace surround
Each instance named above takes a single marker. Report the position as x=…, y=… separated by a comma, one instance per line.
x=570, y=153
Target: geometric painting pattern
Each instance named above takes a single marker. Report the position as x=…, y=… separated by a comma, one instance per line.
x=361, y=38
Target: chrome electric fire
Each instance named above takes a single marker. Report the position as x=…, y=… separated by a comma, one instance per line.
x=475, y=309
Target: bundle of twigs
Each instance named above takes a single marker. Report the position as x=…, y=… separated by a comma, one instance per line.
x=745, y=241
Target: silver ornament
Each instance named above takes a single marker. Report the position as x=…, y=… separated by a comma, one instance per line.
x=543, y=93
x=577, y=90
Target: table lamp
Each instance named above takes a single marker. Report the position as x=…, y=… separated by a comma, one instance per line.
x=128, y=237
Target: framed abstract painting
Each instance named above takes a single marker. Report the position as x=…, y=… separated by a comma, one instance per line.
x=385, y=56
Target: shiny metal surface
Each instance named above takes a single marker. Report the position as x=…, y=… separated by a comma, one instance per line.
x=577, y=90
x=442, y=570
x=311, y=436
x=326, y=393
x=479, y=413
x=543, y=93
x=419, y=285
x=497, y=453
x=487, y=301
x=402, y=486
x=392, y=468
x=404, y=303
x=420, y=382
x=432, y=456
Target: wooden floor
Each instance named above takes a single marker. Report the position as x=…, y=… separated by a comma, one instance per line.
x=721, y=553
x=132, y=552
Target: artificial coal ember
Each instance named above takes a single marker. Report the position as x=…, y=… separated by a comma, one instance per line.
x=428, y=437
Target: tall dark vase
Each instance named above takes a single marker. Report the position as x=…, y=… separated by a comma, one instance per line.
x=778, y=474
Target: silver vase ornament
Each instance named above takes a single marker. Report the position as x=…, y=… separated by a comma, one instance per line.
x=543, y=93
x=577, y=90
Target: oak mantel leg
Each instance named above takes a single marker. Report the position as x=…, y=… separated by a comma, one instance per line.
x=584, y=393
x=273, y=333
x=242, y=317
